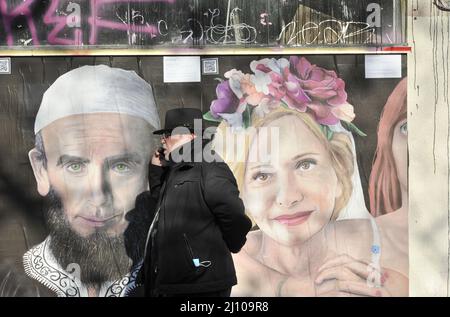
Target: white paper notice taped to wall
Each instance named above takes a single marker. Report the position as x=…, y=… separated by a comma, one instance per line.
x=181, y=69
x=383, y=66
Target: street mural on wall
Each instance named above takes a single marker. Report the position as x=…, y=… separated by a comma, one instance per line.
x=78, y=140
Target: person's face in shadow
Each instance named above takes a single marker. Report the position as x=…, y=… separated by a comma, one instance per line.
x=172, y=141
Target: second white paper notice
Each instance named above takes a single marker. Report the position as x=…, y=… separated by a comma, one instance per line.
x=383, y=66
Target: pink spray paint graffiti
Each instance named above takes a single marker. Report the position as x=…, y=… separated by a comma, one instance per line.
x=97, y=22
x=71, y=18
x=21, y=10
x=178, y=22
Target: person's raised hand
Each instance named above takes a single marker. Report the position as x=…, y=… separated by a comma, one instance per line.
x=156, y=158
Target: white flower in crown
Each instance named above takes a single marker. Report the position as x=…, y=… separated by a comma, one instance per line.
x=263, y=69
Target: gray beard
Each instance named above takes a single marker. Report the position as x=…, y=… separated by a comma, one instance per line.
x=101, y=258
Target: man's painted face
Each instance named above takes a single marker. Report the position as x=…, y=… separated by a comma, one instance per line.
x=97, y=164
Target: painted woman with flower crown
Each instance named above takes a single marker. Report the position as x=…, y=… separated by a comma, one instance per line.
x=285, y=132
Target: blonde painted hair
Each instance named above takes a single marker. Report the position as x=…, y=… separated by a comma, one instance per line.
x=339, y=148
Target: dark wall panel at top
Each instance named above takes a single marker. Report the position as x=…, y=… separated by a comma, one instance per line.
x=198, y=23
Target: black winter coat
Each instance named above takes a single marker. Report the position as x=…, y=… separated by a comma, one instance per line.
x=201, y=217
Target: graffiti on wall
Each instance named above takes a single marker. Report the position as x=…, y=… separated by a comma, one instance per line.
x=206, y=22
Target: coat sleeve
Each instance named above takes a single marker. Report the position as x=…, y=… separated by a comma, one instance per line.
x=145, y=206
x=222, y=197
x=155, y=179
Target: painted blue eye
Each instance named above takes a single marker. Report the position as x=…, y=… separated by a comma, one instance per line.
x=404, y=128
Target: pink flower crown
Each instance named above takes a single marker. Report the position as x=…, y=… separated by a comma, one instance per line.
x=293, y=83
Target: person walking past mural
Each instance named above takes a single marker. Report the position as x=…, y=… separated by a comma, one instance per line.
x=199, y=220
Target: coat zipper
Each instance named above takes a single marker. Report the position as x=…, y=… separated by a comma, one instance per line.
x=188, y=245
x=160, y=227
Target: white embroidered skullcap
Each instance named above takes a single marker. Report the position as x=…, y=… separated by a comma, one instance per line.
x=97, y=89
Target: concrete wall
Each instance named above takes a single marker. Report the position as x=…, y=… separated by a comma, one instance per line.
x=428, y=116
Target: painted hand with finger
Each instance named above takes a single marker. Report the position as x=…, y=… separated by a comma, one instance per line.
x=343, y=275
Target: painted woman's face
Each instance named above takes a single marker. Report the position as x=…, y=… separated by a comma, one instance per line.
x=400, y=152
x=292, y=197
